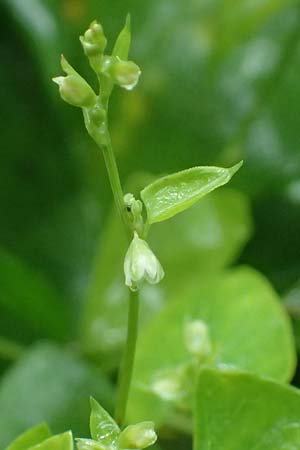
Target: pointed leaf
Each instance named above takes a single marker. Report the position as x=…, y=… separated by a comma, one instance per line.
x=31, y=437
x=62, y=441
x=102, y=425
x=239, y=411
x=174, y=193
x=122, y=45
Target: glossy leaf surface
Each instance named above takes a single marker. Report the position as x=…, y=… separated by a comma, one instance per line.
x=31, y=437
x=62, y=441
x=174, y=193
x=238, y=411
x=248, y=327
x=102, y=425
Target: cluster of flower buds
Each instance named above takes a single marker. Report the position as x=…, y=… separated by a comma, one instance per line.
x=106, y=434
x=93, y=41
x=141, y=264
x=111, y=70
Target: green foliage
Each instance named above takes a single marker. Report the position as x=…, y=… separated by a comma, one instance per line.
x=123, y=42
x=62, y=441
x=248, y=329
x=30, y=438
x=106, y=434
x=49, y=384
x=102, y=425
x=174, y=193
x=221, y=81
x=212, y=234
x=236, y=410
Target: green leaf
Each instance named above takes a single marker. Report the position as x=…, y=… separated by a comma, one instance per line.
x=122, y=45
x=239, y=411
x=174, y=193
x=102, y=425
x=249, y=329
x=50, y=384
x=30, y=437
x=62, y=441
x=212, y=234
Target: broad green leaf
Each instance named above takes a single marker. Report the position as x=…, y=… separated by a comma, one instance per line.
x=122, y=45
x=30, y=437
x=51, y=384
x=238, y=411
x=212, y=233
x=102, y=425
x=62, y=441
x=174, y=193
x=249, y=329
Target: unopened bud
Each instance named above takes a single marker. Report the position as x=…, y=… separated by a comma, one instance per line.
x=93, y=41
x=76, y=91
x=169, y=385
x=125, y=74
x=197, y=339
x=138, y=436
x=141, y=264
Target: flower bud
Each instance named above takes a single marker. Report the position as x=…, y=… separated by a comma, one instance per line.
x=138, y=436
x=93, y=41
x=125, y=74
x=197, y=339
x=141, y=264
x=169, y=385
x=76, y=91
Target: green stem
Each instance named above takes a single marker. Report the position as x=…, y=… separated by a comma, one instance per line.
x=103, y=140
x=115, y=182
x=125, y=374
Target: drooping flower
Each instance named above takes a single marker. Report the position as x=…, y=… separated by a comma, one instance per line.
x=141, y=264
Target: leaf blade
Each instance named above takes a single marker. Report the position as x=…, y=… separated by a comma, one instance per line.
x=122, y=45
x=31, y=437
x=62, y=441
x=102, y=425
x=239, y=410
x=175, y=193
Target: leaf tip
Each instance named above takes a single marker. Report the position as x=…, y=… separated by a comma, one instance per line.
x=236, y=167
x=128, y=21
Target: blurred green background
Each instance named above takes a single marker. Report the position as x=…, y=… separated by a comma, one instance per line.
x=220, y=83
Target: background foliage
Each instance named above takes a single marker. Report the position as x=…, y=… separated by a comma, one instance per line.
x=220, y=83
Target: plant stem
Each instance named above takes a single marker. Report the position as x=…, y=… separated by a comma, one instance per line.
x=125, y=374
x=115, y=182
x=104, y=142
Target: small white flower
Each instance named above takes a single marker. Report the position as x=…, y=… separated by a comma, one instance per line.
x=141, y=264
